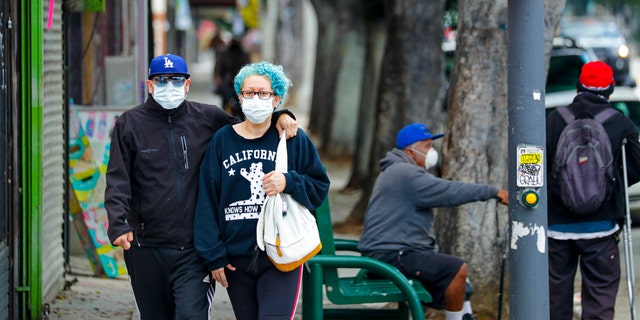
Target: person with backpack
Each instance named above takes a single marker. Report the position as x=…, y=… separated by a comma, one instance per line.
x=586, y=205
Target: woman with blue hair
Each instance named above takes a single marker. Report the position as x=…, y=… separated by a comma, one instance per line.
x=236, y=175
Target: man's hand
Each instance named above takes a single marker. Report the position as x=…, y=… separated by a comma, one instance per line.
x=503, y=196
x=219, y=275
x=290, y=125
x=124, y=240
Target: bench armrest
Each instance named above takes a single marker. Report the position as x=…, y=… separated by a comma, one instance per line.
x=381, y=268
x=346, y=245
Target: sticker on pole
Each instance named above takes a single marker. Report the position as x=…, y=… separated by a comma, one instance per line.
x=529, y=166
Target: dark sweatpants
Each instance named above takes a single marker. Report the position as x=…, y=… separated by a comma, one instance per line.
x=261, y=291
x=599, y=261
x=169, y=283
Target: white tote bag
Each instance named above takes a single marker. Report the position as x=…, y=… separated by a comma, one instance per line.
x=286, y=230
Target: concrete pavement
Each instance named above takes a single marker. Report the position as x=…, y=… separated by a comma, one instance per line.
x=94, y=298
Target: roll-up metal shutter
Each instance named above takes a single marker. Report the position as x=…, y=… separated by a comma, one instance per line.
x=53, y=153
x=5, y=157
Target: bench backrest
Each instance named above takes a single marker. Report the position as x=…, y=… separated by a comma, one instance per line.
x=325, y=228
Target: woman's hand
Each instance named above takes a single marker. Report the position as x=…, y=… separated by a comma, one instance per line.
x=273, y=182
x=219, y=275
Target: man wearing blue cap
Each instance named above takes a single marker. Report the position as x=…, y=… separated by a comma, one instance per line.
x=398, y=224
x=152, y=184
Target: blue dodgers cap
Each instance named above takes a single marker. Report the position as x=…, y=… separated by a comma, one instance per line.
x=414, y=133
x=168, y=64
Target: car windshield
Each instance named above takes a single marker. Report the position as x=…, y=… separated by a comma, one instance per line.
x=589, y=29
x=564, y=71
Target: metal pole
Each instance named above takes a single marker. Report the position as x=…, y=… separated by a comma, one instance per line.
x=528, y=260
x=628, y=246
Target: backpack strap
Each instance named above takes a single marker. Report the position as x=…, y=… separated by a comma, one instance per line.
x=605, y=114
x=600, y=117
x=566, y=114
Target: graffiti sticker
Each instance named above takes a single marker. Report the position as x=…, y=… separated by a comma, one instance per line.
x=529, y=166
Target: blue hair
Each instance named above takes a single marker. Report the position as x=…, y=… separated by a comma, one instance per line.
x=279, y=81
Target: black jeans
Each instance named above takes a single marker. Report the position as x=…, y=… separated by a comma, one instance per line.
x=259, y=291
x=599, y=261
x=169, y=284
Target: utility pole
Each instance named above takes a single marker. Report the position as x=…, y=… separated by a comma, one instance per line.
x=528, y=259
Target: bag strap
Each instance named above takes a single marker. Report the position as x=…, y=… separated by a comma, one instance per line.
x=281, y=154
x=600, y=117
x=566, y=114
x=605, y=114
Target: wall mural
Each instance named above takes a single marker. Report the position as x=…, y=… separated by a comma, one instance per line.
x=89, y=141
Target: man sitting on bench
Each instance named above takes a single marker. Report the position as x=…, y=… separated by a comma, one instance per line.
x=398, y=225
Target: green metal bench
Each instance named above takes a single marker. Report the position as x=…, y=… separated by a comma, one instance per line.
x=389, y=285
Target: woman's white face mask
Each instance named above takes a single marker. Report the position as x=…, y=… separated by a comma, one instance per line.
x=430, y=159
x=257, y=110
x=169, y=96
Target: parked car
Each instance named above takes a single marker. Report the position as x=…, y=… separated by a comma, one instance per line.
x=625, y=100
x=605, y=38
x=565, y=64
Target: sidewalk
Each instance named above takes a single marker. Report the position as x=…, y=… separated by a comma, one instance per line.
x=89, y=297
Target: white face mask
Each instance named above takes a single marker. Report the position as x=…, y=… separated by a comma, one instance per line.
x=430, y=159
x=257, y=110
x=169, y=96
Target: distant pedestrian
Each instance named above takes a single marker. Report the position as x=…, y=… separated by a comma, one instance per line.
x=228, y=63
x=398, y=224
x=238, y=172
x=152, y=183
x=589, y=239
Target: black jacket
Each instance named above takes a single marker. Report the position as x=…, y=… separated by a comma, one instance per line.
x=618, y=127
x=153, y=171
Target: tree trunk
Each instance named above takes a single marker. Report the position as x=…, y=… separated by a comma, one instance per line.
x=289, y=44
x=374, y=52
x=328, y=58
x=339, y=140
x=412, y=79
x=553, y=10
x=475, y=146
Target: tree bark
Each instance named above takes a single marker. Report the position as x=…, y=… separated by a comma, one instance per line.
x=474, y=148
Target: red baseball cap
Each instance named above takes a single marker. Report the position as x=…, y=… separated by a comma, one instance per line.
x=596, y=75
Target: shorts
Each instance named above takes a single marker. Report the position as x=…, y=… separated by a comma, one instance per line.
x=433, y=269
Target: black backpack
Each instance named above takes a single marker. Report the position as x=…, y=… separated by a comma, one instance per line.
x=583, y=162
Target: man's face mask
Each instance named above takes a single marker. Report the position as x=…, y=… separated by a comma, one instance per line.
x=430, y=159
x=169, y=92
